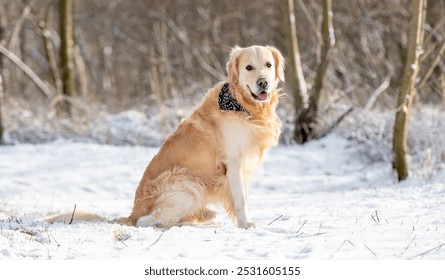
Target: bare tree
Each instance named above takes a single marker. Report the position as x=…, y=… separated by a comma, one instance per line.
x=297, y=81
x=307, y=110
x=1, y=103
x=408, y=86
x=327, y=46
x=2, y=21
x=66, y=55
x=17, y=44
x=442, y=81
x=45, y=29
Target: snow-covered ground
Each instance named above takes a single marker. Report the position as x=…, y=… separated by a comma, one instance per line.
x=317, y=201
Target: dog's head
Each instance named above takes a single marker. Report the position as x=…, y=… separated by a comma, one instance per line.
x=257, y=70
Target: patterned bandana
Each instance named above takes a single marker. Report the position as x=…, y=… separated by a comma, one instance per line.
x=226, y=102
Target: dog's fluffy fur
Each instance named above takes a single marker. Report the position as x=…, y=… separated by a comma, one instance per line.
x=211, y=157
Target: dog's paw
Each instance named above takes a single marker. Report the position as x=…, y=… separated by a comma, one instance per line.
x=246, y=224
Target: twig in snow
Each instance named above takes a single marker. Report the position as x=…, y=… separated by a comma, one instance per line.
x=120, y=240
x=370, y=250
x=341, y=246
x=49, y=234
x=376, y=218
x=319, y=229
x=351, y=243
x=406, y=248
x=72, y=215
x=426, y=252
x=159, y=237
x=275, y=220
x=301, y=227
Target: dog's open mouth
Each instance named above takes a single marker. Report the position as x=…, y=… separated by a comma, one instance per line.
x=261, y=96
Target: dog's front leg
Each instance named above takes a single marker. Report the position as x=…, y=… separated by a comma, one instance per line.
x=239, y=197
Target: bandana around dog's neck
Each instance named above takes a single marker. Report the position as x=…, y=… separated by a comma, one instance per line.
x=226, y=102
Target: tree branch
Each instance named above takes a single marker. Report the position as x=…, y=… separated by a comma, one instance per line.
x=15, y=33
x=433, y=66
x=408, y=87
x=28, y=71
x=183, y=38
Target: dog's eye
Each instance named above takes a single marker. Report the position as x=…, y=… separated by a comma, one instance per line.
x=268, y=65
x=249, y=68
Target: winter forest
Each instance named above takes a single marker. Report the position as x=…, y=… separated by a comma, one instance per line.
x=89, y=90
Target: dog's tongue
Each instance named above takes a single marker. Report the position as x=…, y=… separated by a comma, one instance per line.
x=262, y=95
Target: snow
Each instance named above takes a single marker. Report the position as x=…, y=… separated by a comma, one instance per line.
x=127, y=128
x=322, y=200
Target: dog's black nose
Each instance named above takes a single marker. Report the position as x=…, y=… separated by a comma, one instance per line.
x=261, y=83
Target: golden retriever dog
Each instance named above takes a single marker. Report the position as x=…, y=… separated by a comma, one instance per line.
x=214, y=153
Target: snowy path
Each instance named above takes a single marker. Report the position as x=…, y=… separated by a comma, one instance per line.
x=318, y=201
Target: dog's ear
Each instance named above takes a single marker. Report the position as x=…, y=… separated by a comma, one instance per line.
x=279, y=63
x=232, y=65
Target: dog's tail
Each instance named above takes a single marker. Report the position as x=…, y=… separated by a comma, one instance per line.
x=81, y=216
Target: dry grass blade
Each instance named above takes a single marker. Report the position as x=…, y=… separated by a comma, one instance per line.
x=159, y=237
x=427, y=252
x=300, y=228
x=275, y=220
x=407, y=247
x=72, y=215
x=341, y=246
x=369, y=249
x=376, y=217
x=50, y=235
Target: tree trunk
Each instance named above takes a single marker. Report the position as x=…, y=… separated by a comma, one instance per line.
x=45, y=28
x=328, y=42
x=2, y=20
x=16, y=46
x=1, y=101
x=297, y=81
x=408, y=86
x=306, y=112
x=66, y=55
x=442, y=81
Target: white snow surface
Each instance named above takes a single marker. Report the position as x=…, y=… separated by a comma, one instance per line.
x=321, y=200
